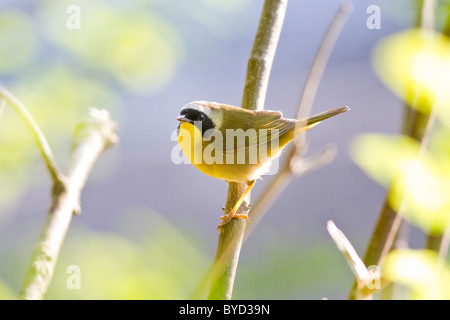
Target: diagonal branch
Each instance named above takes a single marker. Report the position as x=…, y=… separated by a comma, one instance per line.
x=318, y=68
x=2, y=107
x=90, y=140
x=368, y=280
x=438, y=242
x=231, y=240
x=41, y=141
x=418, y=126
x=349, y=253
x=295, y=165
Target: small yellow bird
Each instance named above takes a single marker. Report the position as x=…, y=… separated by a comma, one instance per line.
x=235, y=144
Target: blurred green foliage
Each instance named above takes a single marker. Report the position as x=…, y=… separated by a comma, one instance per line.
x=419, y=270
x=139, y=49
x=58, y=72
x=157, y=262
x=16, y=48
x=426, y=183
x=126, y=46
x=291, y=271
x=6, y=293
x=143, y=256
x=416, y=66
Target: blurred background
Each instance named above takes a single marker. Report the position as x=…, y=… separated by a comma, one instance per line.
x=148, y=226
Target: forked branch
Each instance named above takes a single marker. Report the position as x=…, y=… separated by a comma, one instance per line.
x=90, y=140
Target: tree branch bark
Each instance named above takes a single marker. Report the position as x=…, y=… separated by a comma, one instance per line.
x=258, y=72
x=295, y=165
x=90, y=140
x=231, y=240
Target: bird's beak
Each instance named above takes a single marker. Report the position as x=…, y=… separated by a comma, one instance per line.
x=183, y=119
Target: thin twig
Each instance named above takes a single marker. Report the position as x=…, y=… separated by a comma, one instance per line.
x=418, y=126
x=391, y=229
x=294, y=157
x=43, y=145
x=317, y=69
x=389, y=220
x=444, y=245
x=349, y=253
x=439, y=242
x=292, y=165
x=90, y=140
x=258, y=72
x=2, y=107
x=368, y=281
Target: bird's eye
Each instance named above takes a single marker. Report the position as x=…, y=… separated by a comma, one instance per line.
x=201, y=116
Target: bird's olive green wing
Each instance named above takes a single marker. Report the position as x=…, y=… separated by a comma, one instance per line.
x=278, y=129
x=258, y=127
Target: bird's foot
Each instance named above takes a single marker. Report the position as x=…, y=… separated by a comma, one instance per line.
x=228, y=217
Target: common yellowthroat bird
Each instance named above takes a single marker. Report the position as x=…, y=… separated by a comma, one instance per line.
x=235, y=144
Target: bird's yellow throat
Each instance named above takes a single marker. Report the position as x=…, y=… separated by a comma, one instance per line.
x=190, y=140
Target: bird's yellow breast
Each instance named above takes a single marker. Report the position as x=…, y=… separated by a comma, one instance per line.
x=197, y=150
x=191, y=142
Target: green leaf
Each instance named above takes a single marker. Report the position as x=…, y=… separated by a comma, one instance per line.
x=416, y=66
x=419, y=270
x=418, y=184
